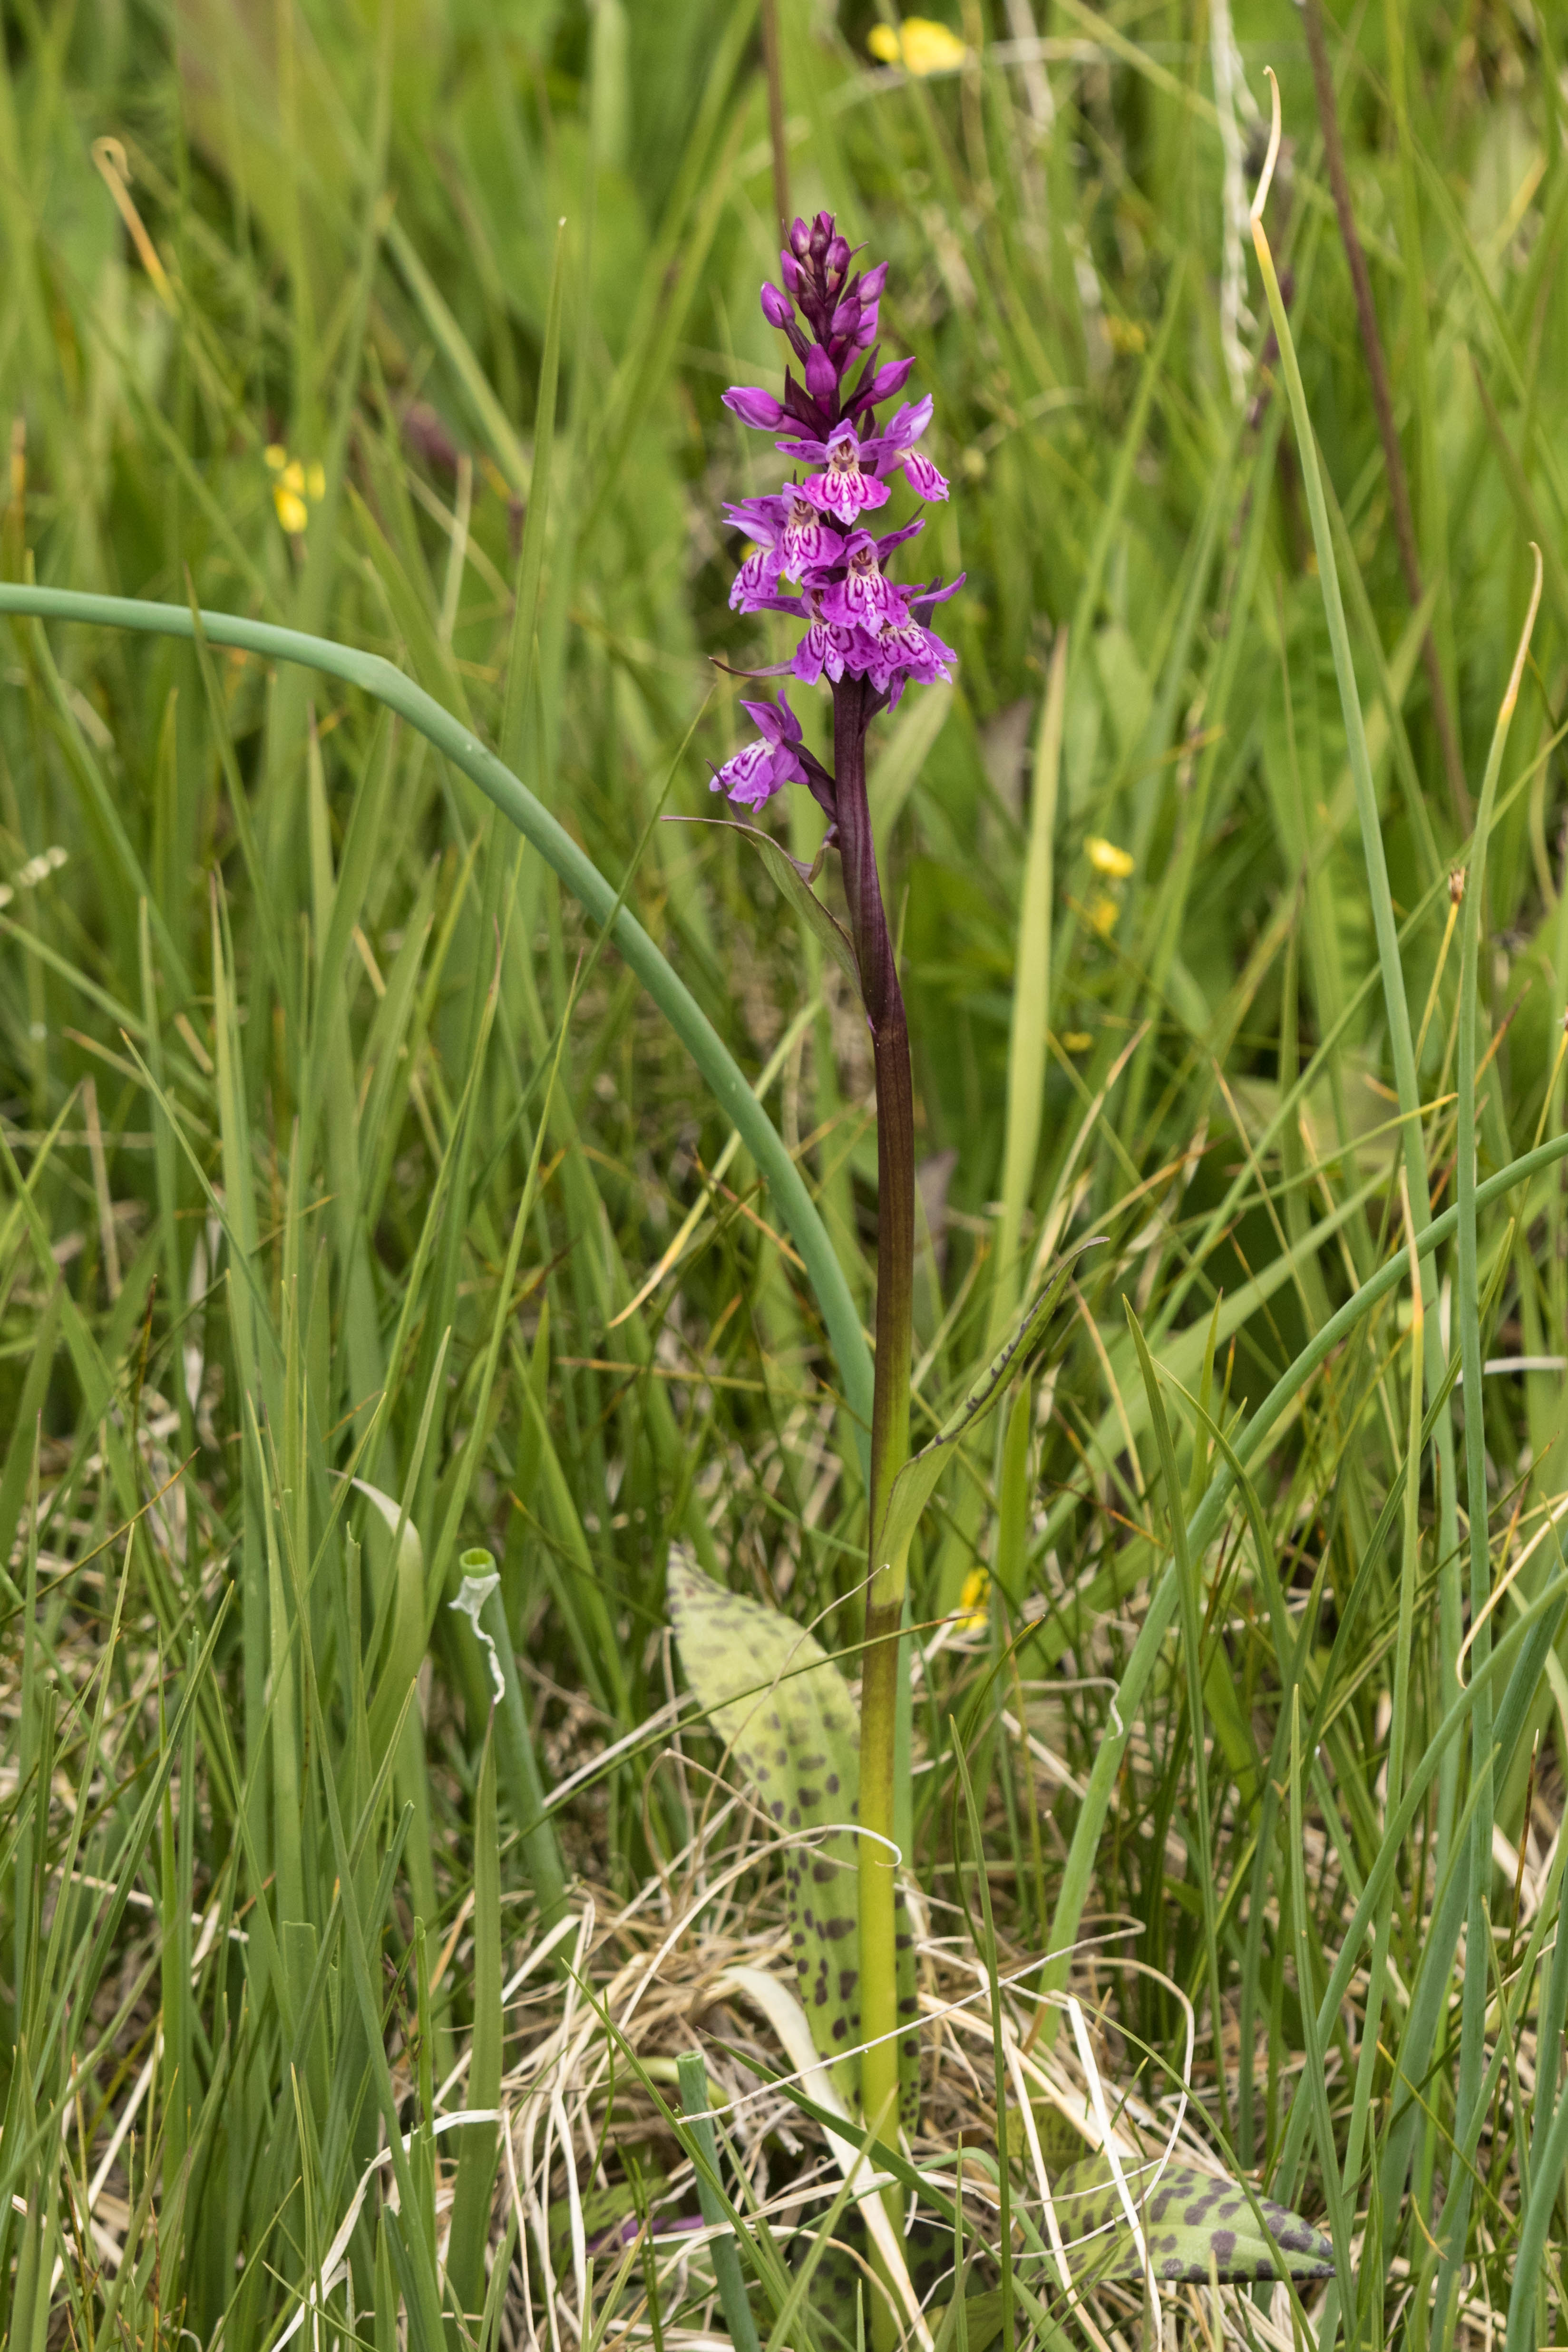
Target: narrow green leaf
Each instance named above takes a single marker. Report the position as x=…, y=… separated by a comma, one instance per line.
x=795, y=881
x=1031, y=996
x=914, y=1486
x=717, y=1065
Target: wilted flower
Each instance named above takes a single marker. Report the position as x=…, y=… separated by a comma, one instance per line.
x=920, y=44
x=295, y=486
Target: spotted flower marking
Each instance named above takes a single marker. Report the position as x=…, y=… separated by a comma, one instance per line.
x=863, y=599
x=844, y=489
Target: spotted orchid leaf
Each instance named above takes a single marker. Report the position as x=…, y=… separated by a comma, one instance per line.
x=785, y=1714
x=1189, y=2220
x=836, y=2296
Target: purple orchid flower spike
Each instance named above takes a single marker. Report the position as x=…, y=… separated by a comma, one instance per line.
x=863, y=633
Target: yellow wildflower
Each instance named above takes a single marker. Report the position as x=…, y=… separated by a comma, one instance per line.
x=1077, y=1041
x=1102, y=913
x=920, y=44
x=295, y=486
x=1106, y=858
x=971, y=1600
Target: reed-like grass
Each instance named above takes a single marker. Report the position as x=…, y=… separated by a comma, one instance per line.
x=360, y=1205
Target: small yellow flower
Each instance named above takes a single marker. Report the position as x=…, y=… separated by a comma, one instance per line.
x=1106, y=858
x=1077, y=1041
x=295, y=486
x=920, y=44
x=1125, y=335
x=1102, y=913
x=971, y=1600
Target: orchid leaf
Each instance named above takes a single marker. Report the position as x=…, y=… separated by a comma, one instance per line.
x=914, y=1486
x=836, y=2296
x=785, y=1713
x=795, y=880
x=1191, y=2221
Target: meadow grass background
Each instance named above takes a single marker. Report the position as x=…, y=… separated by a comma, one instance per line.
x=349, y=1217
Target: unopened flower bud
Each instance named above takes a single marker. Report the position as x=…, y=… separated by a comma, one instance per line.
x=1457, y=886
x=820, y=375
x=800, y=240
x=789, y=271
x=821, y=235
x=775, y=308
x=847, y=318
x=755, y=407
x=838, y=256
x=872, y=283
x=888, y=382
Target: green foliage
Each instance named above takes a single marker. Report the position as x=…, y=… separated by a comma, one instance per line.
x=793, y=879
x=339, y=1229
x=917, y=1480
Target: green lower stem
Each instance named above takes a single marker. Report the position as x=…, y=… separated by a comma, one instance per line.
x=879, y=1870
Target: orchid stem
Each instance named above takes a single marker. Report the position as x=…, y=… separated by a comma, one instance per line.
x=852, y=705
